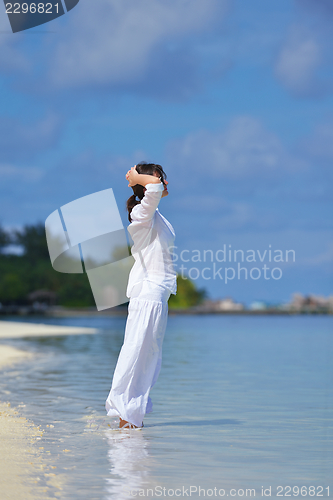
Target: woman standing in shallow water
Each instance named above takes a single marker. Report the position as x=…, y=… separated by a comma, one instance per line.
x=151, y=282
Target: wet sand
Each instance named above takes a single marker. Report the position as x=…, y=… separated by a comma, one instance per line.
x=27, y=471
x=18, y=329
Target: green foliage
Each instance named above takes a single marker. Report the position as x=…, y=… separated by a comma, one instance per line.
x=75, y=291
x=187, y=294
x=5, y=238
x=33, y=240
x=12, y=287
x=22, y=274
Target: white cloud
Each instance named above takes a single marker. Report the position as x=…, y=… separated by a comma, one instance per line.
x=325, y=257
x=20, y=139
x=238, y=215
x=111, y=41
x=298, y=60
x=14, y=173
x=320, y=144
x=206, y=202
x=244, y=150
x=245, y=176
x=226, y=214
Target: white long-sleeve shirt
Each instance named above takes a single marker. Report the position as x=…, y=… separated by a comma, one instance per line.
x=153, y=238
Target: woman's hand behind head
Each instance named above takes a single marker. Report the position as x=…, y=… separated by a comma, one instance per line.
x=132, y=176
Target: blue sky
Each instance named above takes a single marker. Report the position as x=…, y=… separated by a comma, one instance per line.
x=233, y=98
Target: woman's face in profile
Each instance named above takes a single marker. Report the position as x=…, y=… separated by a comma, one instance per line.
x=165, y=192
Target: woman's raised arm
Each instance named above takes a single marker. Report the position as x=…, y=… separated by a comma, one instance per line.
x=145, y=210
x=134, y=178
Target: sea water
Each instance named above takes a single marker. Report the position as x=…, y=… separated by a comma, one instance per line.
x=243, y=407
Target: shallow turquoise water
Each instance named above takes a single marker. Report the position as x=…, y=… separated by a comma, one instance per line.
x=242, y=402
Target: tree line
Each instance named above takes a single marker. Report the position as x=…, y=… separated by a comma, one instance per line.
x=31, y=270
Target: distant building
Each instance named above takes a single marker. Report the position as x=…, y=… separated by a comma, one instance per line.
x=311, y=303
x=44, y=298
x=226, y=304
x=316, y=304
x=258, y=305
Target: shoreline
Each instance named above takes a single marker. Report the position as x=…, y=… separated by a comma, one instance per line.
x=114, y=312
x=67, y=312
x=26, y=472
x=20, y=329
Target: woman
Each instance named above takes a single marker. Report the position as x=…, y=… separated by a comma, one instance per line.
x=151, y=281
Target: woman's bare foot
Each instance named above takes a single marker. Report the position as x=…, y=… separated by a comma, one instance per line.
x=126, y=425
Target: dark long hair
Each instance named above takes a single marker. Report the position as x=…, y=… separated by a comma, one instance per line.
x=143, y=168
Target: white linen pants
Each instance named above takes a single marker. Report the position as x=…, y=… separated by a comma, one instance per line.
x=140, y=358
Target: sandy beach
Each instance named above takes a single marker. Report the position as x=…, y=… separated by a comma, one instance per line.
x=18, y=329
x=27, y=471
